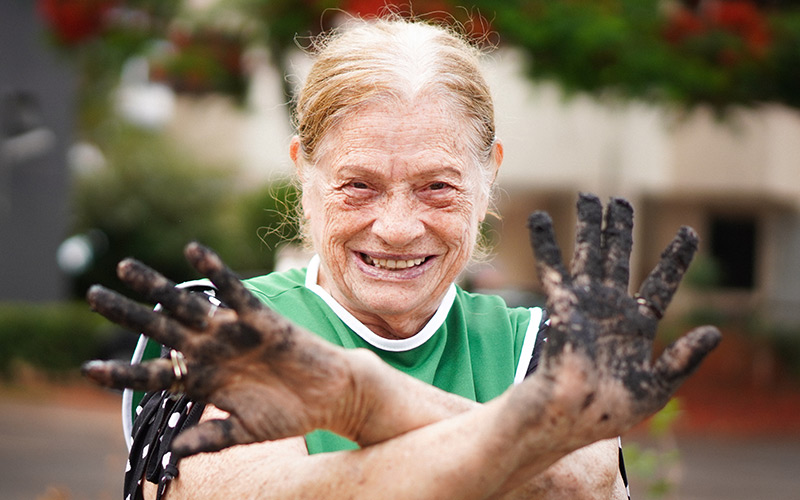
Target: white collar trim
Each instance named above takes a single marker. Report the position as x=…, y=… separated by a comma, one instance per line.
x=368, y=335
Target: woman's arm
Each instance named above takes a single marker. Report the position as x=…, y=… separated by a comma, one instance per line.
x=589, y=473
x=595, y=381
x=420, y=465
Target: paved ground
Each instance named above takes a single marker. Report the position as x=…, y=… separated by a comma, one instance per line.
x=52, y=451
x=714, y=468
x=72, y=448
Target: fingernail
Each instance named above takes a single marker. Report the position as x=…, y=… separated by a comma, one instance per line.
x=91, y=367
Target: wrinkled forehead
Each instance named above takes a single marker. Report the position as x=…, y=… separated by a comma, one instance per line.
x=424, y=133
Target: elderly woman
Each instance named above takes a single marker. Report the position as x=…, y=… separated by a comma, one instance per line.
x=370, y=374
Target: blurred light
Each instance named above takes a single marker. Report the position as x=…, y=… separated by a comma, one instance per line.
x=141, y=102
x=85, y=158
x=75, y=254
x=147, y=105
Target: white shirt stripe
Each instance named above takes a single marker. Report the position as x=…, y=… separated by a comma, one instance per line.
x=528, y=344
x=368, y=335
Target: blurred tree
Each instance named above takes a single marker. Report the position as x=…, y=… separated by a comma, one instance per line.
x=689, y=52
x=716, y=52
x=99, y=36
x=149, y=201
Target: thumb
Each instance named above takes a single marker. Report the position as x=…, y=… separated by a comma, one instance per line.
x=211, y=435
x=682, y=357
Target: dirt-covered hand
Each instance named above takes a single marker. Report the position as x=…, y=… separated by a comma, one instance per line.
x=597, y=374
x=274, y=379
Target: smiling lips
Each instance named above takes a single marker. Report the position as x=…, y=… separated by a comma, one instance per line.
x=391, y=264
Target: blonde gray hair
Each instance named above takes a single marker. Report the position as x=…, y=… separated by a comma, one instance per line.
x=393, y=59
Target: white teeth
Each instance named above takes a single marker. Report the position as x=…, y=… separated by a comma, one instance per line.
x=391, y=263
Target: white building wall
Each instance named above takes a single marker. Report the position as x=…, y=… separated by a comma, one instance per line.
x=576, y=143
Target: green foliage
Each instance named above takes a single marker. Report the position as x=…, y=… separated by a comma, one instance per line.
x=55, y=338
x=99, y=53
x=650, y=464
x=662, y=422
x=785, y=63
x=267, y=218
x=647, y=465
x=148, y=202
x=704, y=273
x=785, y=343
x=640, y=49
x=720, y=53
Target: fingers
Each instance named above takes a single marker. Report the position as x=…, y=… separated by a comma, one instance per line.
x=229, y=286
x=602, y=251
x=211, y=435
x=137, y=317
x=682, y=358
x=548, y=256
x=586, y=262
x=188, y=308
x=657, y=290
x=155, y=375
x=617, y=243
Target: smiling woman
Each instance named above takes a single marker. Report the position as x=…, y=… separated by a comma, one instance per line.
x=397, y=154
x=393, y=208
x=370, y=374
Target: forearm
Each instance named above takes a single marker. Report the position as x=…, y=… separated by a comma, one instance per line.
x=471, y=455
x=467, y=456
x=591, y=472
x=588, y=473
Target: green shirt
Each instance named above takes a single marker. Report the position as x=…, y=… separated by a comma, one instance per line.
x=474, y=345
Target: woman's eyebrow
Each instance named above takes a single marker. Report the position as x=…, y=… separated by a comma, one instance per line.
x=383, y=172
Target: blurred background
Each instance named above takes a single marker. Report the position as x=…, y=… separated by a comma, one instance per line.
x=130, y=127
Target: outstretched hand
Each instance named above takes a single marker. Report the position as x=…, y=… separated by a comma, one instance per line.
x=597, y=372
x=275, y=379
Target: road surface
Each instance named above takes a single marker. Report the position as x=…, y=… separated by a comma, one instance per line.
x=69, y=447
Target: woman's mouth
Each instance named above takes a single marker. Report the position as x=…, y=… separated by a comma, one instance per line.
x=392, y=264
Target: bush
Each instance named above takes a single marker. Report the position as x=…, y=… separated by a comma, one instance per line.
x=148, y=202
x=54, y=338
x=151, y=199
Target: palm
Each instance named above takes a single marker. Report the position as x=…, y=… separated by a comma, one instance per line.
x=597, y=361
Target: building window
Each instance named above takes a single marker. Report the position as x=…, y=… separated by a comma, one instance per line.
x=733, y=248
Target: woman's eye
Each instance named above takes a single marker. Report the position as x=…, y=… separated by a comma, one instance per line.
x=438, y=186
x=358, y=190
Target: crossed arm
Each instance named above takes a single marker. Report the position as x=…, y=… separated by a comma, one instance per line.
x=595, y=381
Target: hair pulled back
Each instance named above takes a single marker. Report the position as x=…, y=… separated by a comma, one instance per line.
x=394, y=60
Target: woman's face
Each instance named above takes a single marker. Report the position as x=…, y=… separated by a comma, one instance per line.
x=394, y=205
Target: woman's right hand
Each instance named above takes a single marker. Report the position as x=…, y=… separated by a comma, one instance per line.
x=275, y=379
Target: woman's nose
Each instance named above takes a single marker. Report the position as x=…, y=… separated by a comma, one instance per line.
x=397, y=222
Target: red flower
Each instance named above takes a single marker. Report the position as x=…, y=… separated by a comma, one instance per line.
x=368, y=8
x=743, y=18
x=738, y=17
x=683, y=25
x=74, y=21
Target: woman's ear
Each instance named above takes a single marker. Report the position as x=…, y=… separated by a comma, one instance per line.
x=295, y=155
x=495, y=161
x=294, y=152
x=497, y=157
